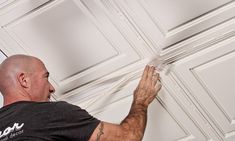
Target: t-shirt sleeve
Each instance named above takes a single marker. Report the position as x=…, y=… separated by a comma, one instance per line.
x=71, y=122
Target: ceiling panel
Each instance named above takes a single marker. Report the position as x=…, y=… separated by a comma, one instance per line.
x=65, y=38
x=220, y=90
x=208, y=78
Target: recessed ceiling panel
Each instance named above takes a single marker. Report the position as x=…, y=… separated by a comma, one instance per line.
x=208, y=76
x=69, y=40
x=217, y=77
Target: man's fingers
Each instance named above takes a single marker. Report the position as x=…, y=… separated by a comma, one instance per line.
x=158, y=86
x=145, y=73
x=155, y=78
x=150, y=74
x=149, y=79
x=144, y=76
x=149, y=85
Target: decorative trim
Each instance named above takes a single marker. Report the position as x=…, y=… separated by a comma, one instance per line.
x=128, y=23
x=6, y=3
x=200, y=42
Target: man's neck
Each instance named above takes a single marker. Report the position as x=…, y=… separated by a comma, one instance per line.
x=12, y=98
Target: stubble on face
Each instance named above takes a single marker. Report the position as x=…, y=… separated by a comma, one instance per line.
x=40, y=83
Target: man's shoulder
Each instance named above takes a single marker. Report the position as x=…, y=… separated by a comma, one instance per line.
x=55, y=106
x=47, y=105
x=62, y=105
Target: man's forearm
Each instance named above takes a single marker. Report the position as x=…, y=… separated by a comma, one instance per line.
x=135, y=122
x=133, y=126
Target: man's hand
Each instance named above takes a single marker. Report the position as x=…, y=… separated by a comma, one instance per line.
x=148, y=87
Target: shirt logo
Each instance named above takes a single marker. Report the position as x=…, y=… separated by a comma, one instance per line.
x=16, y=127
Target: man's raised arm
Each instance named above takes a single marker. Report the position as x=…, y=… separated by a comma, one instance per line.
x=133, y=126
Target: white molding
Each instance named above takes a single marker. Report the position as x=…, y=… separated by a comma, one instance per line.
x=127, y=74
x=120, y=22
x=6, y=3
x=187, y=30
x=204, y=40
x=180, y=94
x=19, y=9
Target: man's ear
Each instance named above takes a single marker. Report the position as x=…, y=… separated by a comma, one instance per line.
x=24, y=80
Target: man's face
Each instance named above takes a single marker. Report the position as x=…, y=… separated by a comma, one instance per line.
x=41, y=88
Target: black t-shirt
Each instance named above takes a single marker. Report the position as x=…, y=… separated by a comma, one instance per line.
x=45, y=121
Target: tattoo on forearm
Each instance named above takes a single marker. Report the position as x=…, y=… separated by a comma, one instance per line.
x=100, y=131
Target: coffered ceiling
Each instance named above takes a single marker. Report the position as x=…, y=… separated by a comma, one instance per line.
x=96, y=50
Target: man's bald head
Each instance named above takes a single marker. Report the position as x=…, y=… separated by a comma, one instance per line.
x=24, y=78
x=13, y=65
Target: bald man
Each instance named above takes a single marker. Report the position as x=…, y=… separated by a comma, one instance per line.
x=27, y=113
